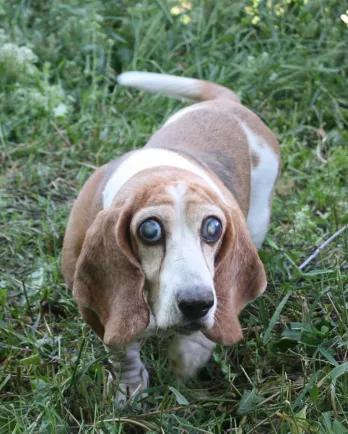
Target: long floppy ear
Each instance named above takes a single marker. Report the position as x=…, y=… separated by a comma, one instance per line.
x=239, y=278
x=108, y=281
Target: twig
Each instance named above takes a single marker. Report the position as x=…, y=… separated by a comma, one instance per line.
x=133, y=421
x=319, y=249
x=268, y=399
x=168, y=410
x=29, y=311
x=60, y=133
x=318, y=152
x=333, y=401
x=261, y=423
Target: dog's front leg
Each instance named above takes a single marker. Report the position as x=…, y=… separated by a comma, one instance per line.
x=188, y=354
x=129, y=374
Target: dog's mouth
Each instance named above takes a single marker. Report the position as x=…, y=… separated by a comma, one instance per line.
x=189, y=328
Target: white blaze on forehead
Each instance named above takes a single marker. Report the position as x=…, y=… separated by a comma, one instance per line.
x=184, y=266
x=178, y=193
x=146, y=159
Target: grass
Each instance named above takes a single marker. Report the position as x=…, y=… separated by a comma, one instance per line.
x=61, y=115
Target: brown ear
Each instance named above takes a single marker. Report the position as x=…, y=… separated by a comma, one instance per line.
x=108, y=281
x=239, y=278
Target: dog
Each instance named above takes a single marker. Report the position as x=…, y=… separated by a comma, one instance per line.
x=164, y=239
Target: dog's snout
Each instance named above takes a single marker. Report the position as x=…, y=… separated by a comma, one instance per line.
x=196, y=307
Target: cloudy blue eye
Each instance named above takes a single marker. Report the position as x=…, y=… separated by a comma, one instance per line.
x=211, y=229
x=150, y=231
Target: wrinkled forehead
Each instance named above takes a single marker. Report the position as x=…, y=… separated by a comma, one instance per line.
x=179, y=199
x=192, y=200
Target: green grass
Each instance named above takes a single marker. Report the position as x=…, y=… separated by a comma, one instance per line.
x=61, y=115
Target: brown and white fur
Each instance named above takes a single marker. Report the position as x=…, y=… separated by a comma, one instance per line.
x=214, y=158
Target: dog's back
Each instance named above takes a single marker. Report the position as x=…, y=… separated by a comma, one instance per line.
x=218, y=132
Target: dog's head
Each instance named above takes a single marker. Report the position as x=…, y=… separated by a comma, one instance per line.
x=169, y=248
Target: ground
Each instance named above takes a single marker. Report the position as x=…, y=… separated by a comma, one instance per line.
x=62, y=115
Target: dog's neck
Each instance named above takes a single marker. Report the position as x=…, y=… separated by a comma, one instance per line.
x=151, y=158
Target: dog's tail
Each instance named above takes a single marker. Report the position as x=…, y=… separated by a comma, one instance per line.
x=177, y=87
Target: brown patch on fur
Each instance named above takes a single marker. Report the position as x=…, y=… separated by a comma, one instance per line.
x=108, y=279
x=255, y=159
x=239, y=273
x=86, y=207
x=239, y=278
x=210, y=91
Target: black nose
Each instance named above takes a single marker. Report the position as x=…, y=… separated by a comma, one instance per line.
x=195, y=309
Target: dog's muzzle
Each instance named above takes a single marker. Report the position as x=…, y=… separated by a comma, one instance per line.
x=194, y=305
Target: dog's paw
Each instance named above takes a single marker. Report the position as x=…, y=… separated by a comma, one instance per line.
x=126, y=391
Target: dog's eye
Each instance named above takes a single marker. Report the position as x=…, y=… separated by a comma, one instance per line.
x=150, y=231
x=211, y=229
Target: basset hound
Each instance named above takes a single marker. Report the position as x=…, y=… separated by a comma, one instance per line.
x=164, y=239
